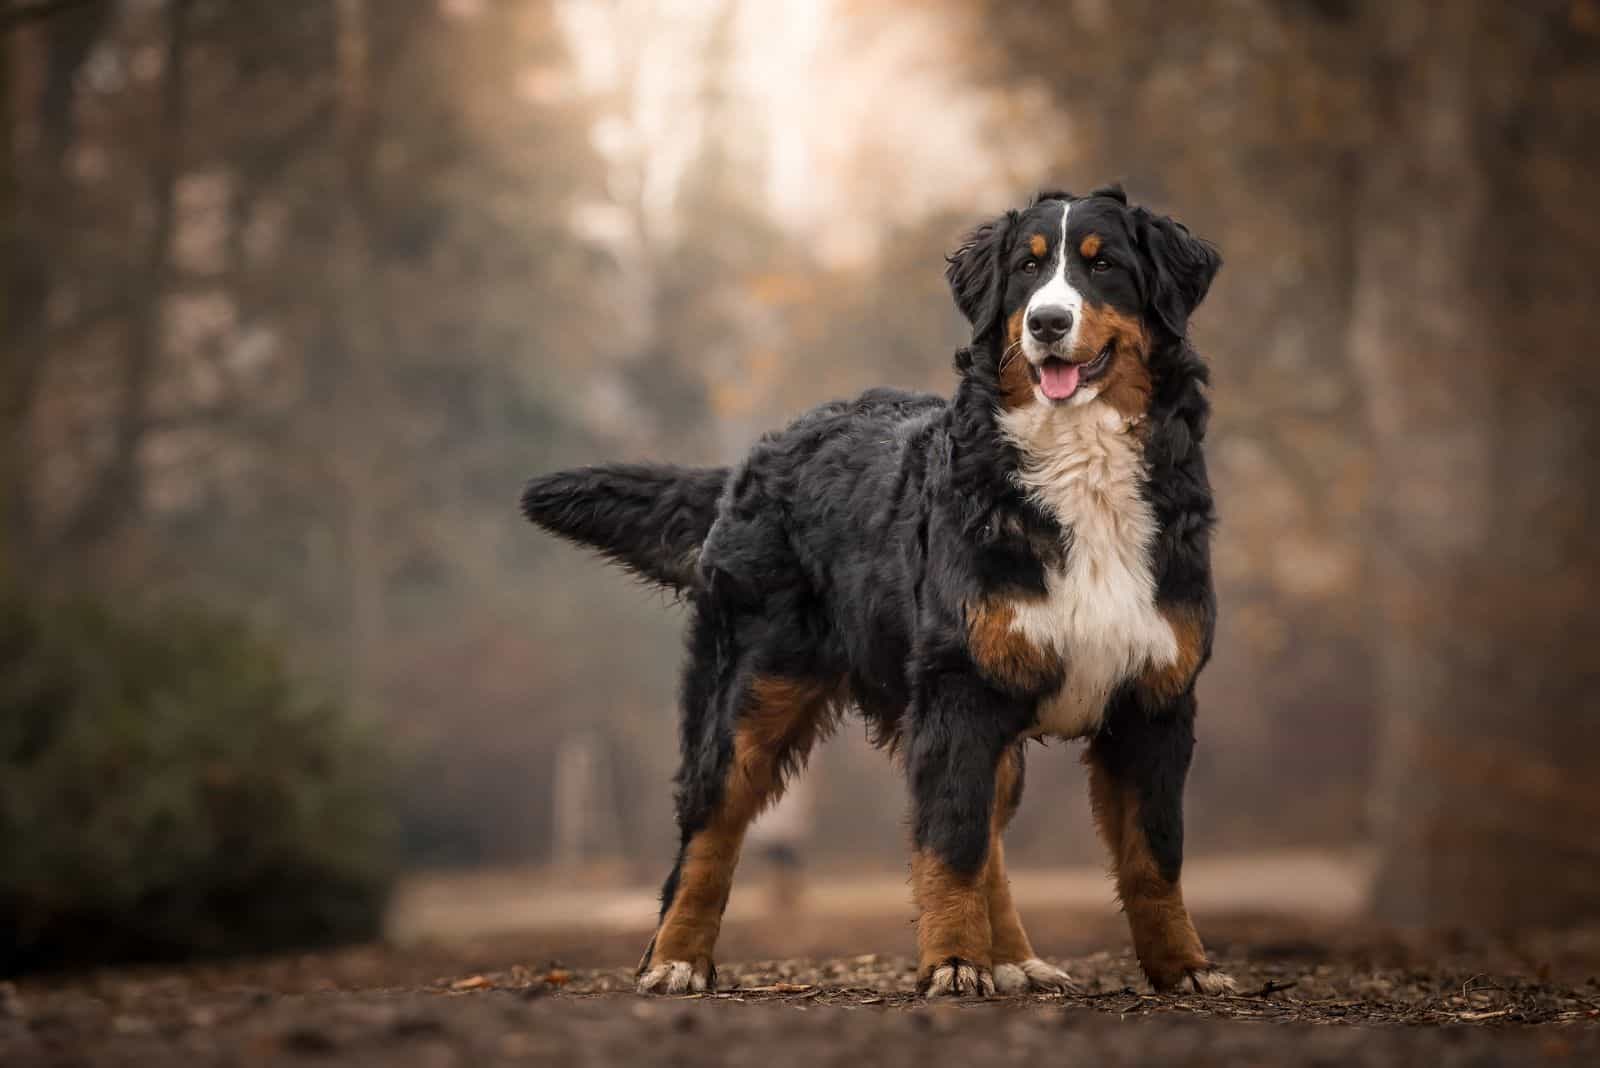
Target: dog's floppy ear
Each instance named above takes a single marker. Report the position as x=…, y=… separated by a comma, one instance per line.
x=976, y=273
x=1182, y=268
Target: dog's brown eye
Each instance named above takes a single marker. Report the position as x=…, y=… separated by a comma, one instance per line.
x=1100, y=266
x=1030, y=267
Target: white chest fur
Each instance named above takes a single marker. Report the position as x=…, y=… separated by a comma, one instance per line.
x=1083, y=463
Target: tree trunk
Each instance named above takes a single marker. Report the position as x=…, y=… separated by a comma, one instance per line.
x=11, y=439
x=67, y=33
x=358, y=405
x=1471, y=328
x=118, y=491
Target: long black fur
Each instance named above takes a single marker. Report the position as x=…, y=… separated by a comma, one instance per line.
x=845, y=546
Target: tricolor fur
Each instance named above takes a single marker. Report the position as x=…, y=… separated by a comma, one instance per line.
x=1028, y=557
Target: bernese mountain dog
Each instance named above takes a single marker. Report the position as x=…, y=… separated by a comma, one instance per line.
x=1027, y=558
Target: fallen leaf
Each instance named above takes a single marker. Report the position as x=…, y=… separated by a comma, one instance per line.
x=473, y=982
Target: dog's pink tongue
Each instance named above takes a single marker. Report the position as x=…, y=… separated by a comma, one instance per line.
x=1058, y=379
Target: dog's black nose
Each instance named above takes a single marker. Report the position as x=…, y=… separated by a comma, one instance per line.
x=1049, y=325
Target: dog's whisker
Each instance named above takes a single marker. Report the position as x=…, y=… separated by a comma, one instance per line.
x=1011, y=352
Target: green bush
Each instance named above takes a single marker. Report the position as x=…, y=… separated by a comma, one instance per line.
x=166, y=791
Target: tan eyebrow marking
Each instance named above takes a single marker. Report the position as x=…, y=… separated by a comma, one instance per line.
x=1090, y=247
x=1037, y=244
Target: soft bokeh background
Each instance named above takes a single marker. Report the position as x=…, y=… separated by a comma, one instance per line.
x=298, y=293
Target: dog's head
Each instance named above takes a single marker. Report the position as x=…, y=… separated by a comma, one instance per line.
x=1069, y=298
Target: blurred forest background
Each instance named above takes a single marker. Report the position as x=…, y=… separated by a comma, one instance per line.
x=297, y=294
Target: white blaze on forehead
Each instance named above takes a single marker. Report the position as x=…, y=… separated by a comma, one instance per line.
x=1057, y=292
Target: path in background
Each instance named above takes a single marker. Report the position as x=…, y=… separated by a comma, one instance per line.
x=451, y=906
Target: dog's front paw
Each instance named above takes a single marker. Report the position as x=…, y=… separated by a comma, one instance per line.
x=1209, y=980
x=1032, y=976
x=956, y=977
x=677, y=977
x=1188, y=975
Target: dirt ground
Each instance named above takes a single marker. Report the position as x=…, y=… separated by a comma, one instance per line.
x=1312, y=992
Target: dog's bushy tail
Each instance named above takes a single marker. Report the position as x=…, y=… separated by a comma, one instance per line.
x=650, y=518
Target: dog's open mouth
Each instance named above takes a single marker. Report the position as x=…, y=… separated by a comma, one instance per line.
x=1059, y=379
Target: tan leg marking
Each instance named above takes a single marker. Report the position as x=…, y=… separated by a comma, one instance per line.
x=1003, y=654
x=952, y=928
x=1165, y=684
x=1164, y=937
x=782, y=720
x=1010, y=941
x=1017, y=969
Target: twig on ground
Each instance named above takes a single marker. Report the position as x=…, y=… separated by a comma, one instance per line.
x=1473, y=1017
x=1272, y=986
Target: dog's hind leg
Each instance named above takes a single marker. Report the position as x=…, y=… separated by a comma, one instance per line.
x=1017, y=969
x=1137, y=767
x=734, y=766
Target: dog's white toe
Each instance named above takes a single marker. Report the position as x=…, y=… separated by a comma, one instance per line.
x=1010, y=979
x=1211, y=981
x=1032, y=976
x=958, y=979
x=674, y=977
